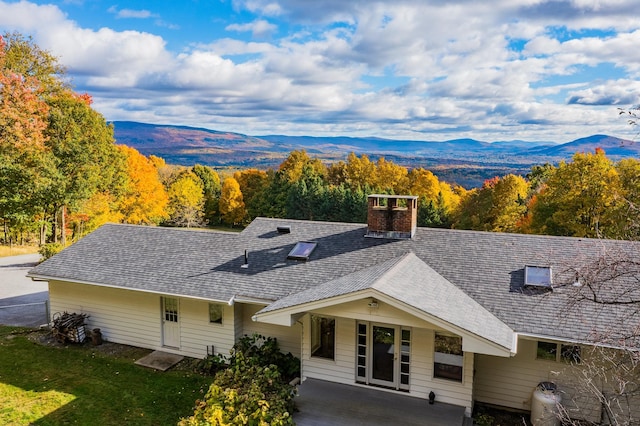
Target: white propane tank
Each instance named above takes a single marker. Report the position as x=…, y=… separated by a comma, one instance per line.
x=544, y=405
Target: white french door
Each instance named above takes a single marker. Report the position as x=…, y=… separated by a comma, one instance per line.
x=383, y=355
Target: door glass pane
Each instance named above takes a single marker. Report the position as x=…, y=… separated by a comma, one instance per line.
x=171, y=310
x=383, y=353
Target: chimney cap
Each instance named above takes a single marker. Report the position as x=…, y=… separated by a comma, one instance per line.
x=404, y=197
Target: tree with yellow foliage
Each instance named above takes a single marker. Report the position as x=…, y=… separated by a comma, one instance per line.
x=581, y=198
x=390, y=177
x=186, y=200
x=232, y=208
x=145, y=201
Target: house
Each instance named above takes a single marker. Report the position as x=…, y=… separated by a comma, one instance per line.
x=470, y=316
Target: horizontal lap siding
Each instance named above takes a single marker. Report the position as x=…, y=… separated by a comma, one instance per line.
x=340, y=370
x=510, y=382
x=422, y=380
x=288, y=337
x=197, y=332
x=123, y=316
x=135, y=318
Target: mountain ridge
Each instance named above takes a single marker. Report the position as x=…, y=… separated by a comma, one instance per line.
x=185, y=145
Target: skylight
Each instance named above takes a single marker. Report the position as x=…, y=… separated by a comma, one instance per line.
x=302, y=250
x=538, y=276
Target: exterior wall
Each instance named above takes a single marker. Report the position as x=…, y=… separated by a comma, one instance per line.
x=288, y=337
x=135, y=318
x=510, y=382
x=343, y=368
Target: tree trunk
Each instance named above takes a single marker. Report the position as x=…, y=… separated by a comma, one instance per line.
x=43, y=232
x=63, y=226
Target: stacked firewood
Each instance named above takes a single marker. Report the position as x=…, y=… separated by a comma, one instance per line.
x=69, y=327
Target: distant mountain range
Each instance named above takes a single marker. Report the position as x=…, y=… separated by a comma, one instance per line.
x=464, y=161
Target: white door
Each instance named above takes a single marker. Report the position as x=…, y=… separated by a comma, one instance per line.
x=383, y=355
x=170, y=322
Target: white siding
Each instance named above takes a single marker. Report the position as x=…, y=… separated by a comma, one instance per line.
x=510, y=382
x=342, y=369
x=135, y=318
x=197, y=332
x=288, y=337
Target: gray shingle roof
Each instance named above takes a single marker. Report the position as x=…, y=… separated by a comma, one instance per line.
x=411, y=281
x=488, y=267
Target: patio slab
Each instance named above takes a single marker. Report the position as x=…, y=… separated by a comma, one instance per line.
x=159, y=360
x=321, y=403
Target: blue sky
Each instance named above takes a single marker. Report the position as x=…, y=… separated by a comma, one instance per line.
x=551, y=70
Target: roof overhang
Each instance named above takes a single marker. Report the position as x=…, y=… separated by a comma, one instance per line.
x=471, y=342
x=230, y=301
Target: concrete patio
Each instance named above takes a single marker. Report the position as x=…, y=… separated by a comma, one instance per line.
x=321, y=403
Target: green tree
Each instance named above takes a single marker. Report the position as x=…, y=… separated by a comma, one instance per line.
x=86, y=157
x=211, y=188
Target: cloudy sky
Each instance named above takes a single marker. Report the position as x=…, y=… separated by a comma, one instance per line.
x=408, y=69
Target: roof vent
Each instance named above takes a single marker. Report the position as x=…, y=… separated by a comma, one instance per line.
x=537, y=276
x=284, y=229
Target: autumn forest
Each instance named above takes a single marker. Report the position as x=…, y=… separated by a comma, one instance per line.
x=62, y=175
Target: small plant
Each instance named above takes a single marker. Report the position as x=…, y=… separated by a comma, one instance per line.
x=48, y=250
x=483, y=420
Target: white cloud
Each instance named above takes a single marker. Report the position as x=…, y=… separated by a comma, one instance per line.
x=130, y=13
x=391, y=68
x=259, y=28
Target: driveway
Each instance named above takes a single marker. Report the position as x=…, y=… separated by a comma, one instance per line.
x=22, y=301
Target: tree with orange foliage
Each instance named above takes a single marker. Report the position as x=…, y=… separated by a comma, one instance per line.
x=145, y=200
x=24, y=164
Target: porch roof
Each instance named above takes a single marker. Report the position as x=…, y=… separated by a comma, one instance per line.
x=414, y=284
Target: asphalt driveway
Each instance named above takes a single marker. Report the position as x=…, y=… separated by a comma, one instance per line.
x=22, y=301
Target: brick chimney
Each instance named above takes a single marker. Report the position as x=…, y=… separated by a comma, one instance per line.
x=392, y=216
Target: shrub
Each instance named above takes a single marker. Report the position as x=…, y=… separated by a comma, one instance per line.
x=253, y=389
x=48, y=250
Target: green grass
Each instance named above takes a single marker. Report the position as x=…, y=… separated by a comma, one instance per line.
x=79, y=384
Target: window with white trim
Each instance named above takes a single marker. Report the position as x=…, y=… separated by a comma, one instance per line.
x=448, y=357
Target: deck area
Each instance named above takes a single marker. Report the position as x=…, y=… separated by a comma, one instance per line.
x=321, y=403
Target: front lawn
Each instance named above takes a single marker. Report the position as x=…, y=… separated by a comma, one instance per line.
x=51, y=384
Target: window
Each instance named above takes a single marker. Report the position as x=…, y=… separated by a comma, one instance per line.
x=323, y=337
x=448, y=357
x=302, y=250
x=216, y=311
x=558, y=352
x=537, y=276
